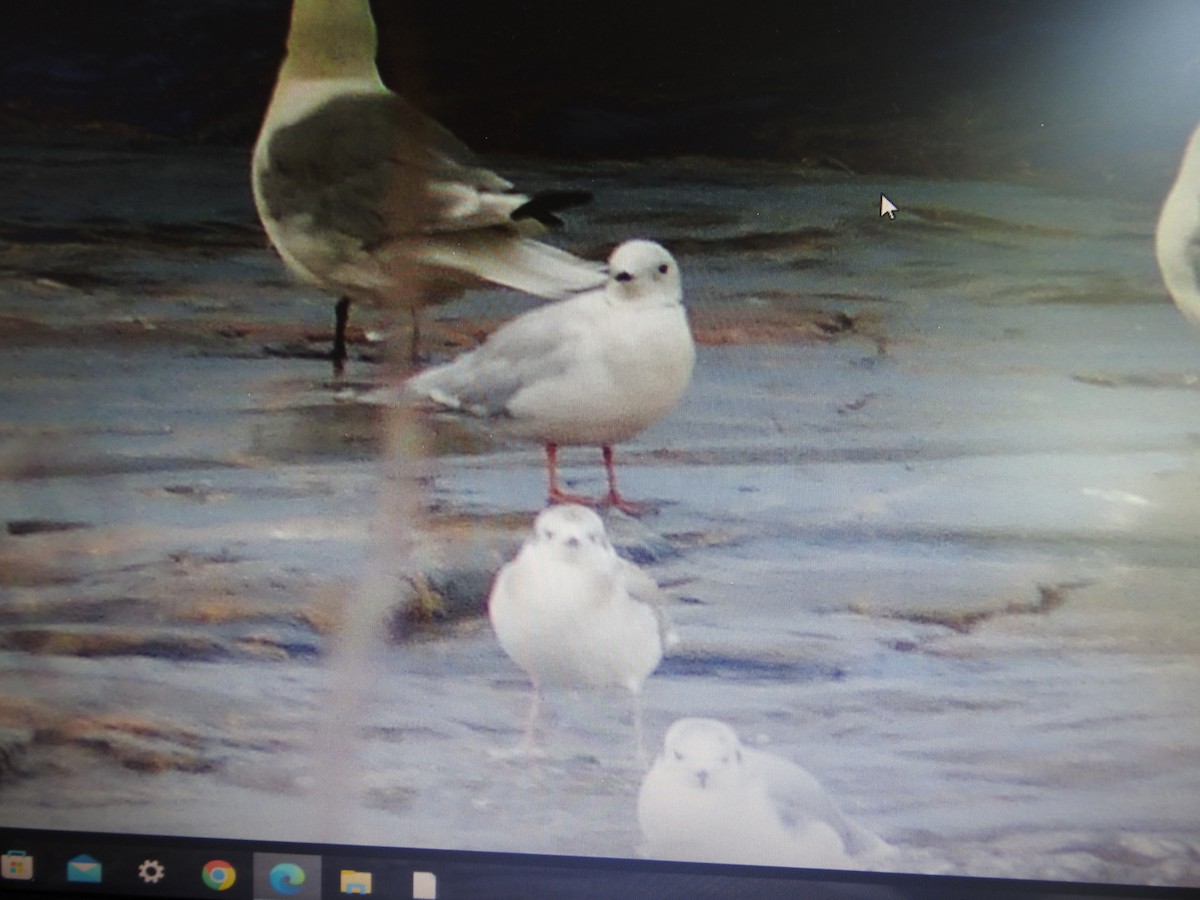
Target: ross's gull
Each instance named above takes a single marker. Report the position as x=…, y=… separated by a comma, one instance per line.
x=368, y=198
x=1177, y=238
x=572, y=613
x=709, y=798
x=594, y=370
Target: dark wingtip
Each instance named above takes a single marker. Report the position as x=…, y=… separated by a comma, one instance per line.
x=543, y=206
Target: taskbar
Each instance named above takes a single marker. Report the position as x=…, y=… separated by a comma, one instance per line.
x=40, y=864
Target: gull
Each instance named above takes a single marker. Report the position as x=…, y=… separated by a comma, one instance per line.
x=364, y=196
x=1177, y=237
x=593, y=370
x=571, y=613
x=709, y=798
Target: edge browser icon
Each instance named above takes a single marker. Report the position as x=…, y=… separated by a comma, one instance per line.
x=85, y=869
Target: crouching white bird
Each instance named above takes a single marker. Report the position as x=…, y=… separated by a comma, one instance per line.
x=572, y=613
x=593, y=370
x=365, y=197
x=709, y=798
x=1177, y=237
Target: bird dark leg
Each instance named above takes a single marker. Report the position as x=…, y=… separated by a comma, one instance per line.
x=414, y=347
x=341, y=315
x=557, y=494
x=614, y=498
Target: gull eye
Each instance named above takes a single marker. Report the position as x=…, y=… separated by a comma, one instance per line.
x=679, y=756
x=548, y=534
x=624, y=276
x=664, y=269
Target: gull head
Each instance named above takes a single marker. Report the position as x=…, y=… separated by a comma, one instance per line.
x=643, y=271
x=571, y=531
x=703, y=753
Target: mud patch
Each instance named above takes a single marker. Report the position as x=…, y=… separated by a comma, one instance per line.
x=1049, y=598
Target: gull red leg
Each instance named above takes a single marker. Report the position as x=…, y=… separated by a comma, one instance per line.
x=614, y=497
x=557, y=494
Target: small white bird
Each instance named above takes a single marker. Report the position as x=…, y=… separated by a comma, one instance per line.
x=572, y=613
x=708, y=798
x=1177, y=238
x=366, y=197
x=595, y=370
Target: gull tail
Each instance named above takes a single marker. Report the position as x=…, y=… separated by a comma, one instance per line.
x=519, y=263
x=865, y=844
x=543, y=206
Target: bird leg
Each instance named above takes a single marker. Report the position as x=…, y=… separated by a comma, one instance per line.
x=341, y=315
x=614, y=498
x=529, y=735
x=639, y=735
x=557, y=494
x=529, y=743
x=414, y=347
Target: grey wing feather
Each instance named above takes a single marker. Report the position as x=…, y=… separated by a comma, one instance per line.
x=536, y=346
x=496, y=255
x=363, y=165
x=644, y=589
x=799, y=798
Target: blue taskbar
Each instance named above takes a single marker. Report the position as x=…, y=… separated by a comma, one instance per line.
x=39, y=864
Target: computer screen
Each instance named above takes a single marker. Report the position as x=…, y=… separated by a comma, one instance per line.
x=647, y=449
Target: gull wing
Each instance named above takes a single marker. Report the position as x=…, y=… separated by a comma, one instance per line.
x=539, y=345
x=799, y=798
x=644, y=589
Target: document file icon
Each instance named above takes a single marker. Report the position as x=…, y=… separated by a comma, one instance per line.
x=83, y=868
x=356, y=882
x=424, y=886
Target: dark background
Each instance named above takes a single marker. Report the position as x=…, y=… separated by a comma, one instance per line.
x=1019, y=90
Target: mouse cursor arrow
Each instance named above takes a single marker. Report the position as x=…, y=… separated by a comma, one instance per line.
x=886, y=207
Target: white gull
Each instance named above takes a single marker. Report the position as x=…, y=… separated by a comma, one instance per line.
x=572, y=613
x=593, y=370
x=709, y=798
x=1177, y=238
x=364, y=196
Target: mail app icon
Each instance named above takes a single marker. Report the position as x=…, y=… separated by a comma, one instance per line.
x=84, y=868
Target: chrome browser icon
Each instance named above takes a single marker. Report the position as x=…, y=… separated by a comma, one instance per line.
x=218, y=875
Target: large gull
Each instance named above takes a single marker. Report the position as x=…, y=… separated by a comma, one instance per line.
x=1177, y=238
x=572, y=613
x=709, y=798
x=364, y=196
x=593, y=370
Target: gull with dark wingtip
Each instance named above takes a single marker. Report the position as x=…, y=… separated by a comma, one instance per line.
x=364, y=196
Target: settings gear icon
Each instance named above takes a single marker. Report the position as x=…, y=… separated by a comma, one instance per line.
x=152, y=871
